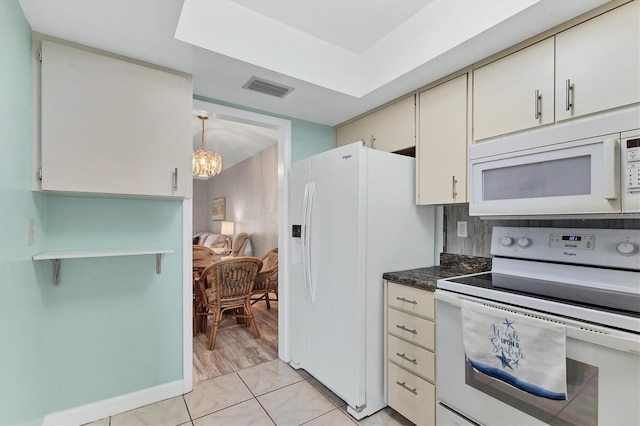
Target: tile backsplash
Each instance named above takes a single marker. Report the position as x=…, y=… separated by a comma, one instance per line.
x=478, y=240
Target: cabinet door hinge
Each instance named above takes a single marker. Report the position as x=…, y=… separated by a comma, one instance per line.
x=40, y=55
x=40, y=173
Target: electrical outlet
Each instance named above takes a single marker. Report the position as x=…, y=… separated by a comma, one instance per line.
x=462, y=229
x=30, y=231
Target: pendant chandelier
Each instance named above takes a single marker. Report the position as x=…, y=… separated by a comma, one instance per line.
x=205, y=163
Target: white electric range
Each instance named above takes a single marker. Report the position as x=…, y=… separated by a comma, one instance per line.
x=586, y=279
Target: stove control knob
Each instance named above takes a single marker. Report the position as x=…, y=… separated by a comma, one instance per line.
x=524, y=242
x=627, y=248
x=506, y=241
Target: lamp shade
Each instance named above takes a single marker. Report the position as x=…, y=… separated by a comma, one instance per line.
x=226, y=228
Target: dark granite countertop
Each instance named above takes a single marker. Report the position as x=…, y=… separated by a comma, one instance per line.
x=451, y=265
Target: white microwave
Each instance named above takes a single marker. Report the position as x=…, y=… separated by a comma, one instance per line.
x=586, y=167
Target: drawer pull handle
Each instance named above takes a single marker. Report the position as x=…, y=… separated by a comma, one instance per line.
x=402, y=327
x=403, y=356
x=402, y=299
x=403, y=385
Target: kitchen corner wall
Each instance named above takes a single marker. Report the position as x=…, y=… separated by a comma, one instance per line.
x=478, y=241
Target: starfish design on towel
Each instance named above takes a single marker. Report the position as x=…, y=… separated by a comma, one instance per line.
x=508, y=323
x=505, y=361
x=516, y=362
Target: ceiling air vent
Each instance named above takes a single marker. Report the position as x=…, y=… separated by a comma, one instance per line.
x=267, y=87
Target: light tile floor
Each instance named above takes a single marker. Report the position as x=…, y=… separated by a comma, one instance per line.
x=272, y=393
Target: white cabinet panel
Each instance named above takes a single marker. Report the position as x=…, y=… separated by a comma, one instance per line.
x=111, y=126
x=515, y=92
x=601, y=60
x=442, y=150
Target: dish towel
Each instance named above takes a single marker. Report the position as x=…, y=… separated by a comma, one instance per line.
x=524, y=352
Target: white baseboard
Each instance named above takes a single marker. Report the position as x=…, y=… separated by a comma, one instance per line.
x=116, y=405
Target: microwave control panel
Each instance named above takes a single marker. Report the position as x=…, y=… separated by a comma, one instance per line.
x=630, y=171
x=631, y=162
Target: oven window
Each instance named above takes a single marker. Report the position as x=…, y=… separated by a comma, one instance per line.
x=580, y=408
x=554, y=178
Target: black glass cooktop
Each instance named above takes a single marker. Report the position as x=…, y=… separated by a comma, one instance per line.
x=595, y=298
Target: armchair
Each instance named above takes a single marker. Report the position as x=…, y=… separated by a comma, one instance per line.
x=267, y=279
x=240, y=242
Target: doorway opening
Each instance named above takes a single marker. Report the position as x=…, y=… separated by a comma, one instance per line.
x=236, y=349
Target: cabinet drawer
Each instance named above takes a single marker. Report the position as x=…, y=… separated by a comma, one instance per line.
x=411, y=357
x=417, y=330
x=411, y=396
x=410, y=299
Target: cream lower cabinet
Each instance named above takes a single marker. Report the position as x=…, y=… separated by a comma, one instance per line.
x=112, y=126
x=410, y=344
x=441, y=154
x=391, y=129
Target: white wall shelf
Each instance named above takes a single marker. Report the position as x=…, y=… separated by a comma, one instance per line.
x=57, y=256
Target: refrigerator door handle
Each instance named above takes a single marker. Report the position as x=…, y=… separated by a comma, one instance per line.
x=307, y=244
x=305, y=205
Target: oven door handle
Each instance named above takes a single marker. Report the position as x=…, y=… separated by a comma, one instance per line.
x=598, y=335
x=619, y=343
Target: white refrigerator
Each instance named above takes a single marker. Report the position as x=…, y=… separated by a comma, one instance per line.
x=353, y=216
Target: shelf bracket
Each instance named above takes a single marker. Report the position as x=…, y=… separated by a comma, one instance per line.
x=158, y=263
x=56, y=271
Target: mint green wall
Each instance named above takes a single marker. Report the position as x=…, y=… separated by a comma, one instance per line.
x=112, y=326
x=22, y=305
x=307, y=138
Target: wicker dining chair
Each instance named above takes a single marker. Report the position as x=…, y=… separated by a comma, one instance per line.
x=267, y=279
x=225, y=287
x=200, y=255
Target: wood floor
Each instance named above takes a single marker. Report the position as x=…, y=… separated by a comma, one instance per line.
x=236, y=346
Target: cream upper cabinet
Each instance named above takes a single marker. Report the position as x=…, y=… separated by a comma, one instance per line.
x=586, y=69
x=393, y=127
x=442, y=143
x=515, y=92
x=390, y=129
x=598, y=63
x=111, y=126
x=357, y=130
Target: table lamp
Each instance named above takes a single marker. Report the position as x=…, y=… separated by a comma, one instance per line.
x=226, y=228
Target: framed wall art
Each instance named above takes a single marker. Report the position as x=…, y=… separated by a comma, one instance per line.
x=218, y=208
